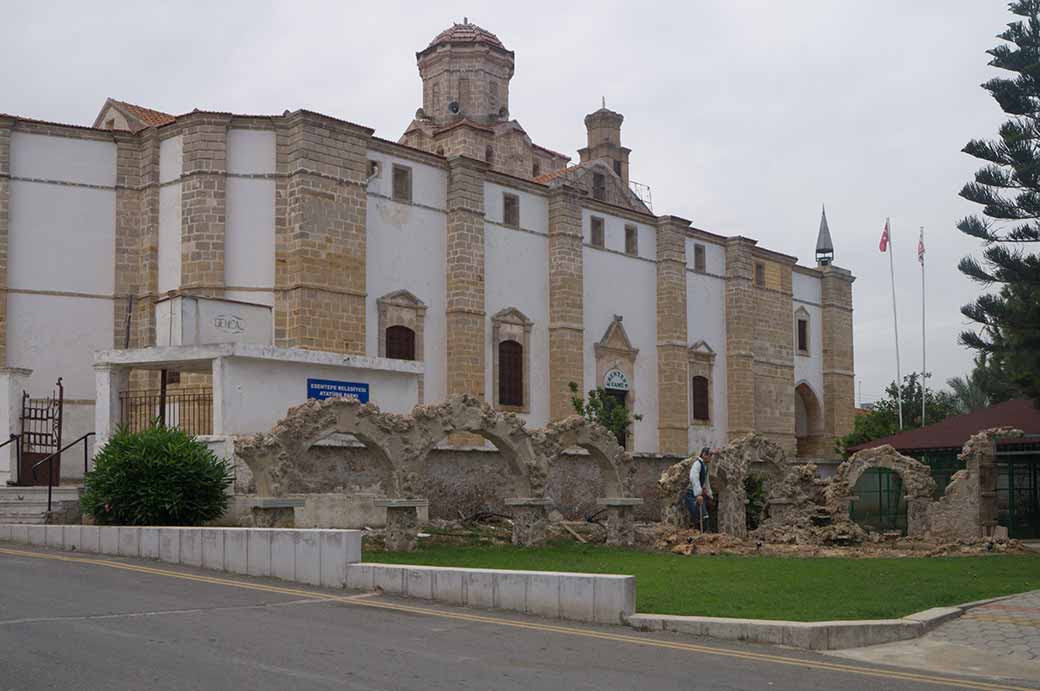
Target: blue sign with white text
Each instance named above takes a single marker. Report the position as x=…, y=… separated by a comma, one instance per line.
x=330, y=388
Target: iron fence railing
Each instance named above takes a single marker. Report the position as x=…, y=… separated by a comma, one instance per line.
x=187, y=409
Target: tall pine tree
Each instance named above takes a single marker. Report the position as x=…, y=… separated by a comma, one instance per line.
x=1008, y=188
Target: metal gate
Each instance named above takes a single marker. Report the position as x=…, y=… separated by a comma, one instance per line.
x=880, y=502
x=40, y=437
x=1018, y=493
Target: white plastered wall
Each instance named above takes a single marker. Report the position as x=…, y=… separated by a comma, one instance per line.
x=170, y=168
x=61, y=268
x=706, y=321
x=517, y=275
x=249, y=241
x=615, y=283
x=405, y=251
x=808, y=369
x=255, y=394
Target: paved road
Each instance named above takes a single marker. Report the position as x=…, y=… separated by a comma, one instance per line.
x=74, y=622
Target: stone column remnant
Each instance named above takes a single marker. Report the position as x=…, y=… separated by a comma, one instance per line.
x=530, y=516
x=402, y=522
x=620, y=519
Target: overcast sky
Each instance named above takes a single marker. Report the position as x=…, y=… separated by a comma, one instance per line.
x=742, y=116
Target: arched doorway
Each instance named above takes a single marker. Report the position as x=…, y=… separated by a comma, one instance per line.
x=808, y=422
x=616, y=387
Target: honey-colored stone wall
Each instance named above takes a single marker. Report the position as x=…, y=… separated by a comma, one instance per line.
x=566, y=300
x=672, y=348
x=203, y=203
x=321, y=243
x=759, y=345
x=464, y=264
x=839, y=393
x=773, y=348
x=740, y=333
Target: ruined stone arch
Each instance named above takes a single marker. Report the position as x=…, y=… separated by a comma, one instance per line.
x=615, y=464
x=273, y=457
x=751, y=454
x=467, y=414
x=918, y=485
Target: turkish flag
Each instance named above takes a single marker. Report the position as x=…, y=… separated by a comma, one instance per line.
x=883, y=246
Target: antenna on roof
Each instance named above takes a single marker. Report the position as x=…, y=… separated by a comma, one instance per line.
x=604, y=101
x=465, y=20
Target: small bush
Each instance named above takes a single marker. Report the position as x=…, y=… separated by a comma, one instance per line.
x=160, y=476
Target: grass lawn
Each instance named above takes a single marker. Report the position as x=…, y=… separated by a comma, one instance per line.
x=761, y=587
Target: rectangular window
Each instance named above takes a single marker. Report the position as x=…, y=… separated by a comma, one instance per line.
x=617, y=168
x=402, y=183
x=511, y=210
x=536, y=169
x=597, y=231
x=803, y=335
x=599, y=186
x=631, y=240
x=698, y=258
x=760, y=275
x=701, y=408
x=373, y=169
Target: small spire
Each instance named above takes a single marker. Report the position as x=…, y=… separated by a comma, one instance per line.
x=824, y=245
x=604, y=101
x=465, y=20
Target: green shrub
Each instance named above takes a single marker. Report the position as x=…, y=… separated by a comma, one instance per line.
x=160, y=476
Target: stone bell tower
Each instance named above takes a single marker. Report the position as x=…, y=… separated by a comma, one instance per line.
x=604, y=141
x=465, y=73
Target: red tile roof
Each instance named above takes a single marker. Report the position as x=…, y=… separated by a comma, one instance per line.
x=954, y=431
x=147, y=116
x=552, y=175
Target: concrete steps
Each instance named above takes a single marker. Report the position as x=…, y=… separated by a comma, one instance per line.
x=28, y=505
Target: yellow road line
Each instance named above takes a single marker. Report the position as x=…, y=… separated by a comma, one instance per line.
x=359, y=600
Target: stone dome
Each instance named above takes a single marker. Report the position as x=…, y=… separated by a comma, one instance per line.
x=466, y=33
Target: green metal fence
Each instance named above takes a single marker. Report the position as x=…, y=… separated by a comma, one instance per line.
x=880, y=503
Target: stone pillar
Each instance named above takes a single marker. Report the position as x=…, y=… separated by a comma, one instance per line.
x=673, y=382
x=566, y=300
x=321, y=241
x=402, y=522
x=620, y=519
x=13, y=381
x=464, y=267
x=109, y=381
x=839, y=392
x=986, y=457
x=203, y=203
x=529, y=520
x=740, y=334
x=5, y=203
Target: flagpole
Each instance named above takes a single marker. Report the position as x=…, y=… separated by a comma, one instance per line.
x=895, y=323
x=924, y=368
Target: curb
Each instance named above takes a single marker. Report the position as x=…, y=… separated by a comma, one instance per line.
x=816, y=635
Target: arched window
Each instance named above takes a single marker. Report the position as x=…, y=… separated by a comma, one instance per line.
x=700, y=399
x=510, y=373
x=400, y=343
x=489, y=155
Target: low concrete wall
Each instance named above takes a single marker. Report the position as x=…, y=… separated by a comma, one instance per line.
x=315, y=557
x=576, y=596
x=815, y=635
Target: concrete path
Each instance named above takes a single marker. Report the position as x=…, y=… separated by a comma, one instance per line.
x=69, y=621
x=997, y=640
